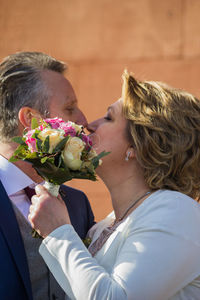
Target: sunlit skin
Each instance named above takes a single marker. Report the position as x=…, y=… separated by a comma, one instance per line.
x=120, y=176
x=110, y=131
x=62, y=101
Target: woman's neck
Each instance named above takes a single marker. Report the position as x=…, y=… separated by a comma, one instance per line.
x=126, y=184
x=126, y=193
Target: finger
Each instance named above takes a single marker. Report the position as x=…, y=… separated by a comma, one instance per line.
x=34, y=199
x=31, y=214
x=31, y=209
x=30, y=218
x=40, y=189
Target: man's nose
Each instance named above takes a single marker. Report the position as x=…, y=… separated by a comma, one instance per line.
x=81, y=120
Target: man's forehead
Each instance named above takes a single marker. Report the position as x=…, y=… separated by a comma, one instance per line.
x=53, y=78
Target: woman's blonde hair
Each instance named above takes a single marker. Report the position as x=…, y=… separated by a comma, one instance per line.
x=164, y=128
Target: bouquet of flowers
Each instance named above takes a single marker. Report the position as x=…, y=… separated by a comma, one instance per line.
x=59, y=151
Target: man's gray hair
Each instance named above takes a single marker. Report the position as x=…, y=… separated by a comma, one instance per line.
x=21, y=84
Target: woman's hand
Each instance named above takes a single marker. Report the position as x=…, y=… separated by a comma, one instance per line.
x=46, y=212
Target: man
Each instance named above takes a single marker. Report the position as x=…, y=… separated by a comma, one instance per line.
x=31, y=85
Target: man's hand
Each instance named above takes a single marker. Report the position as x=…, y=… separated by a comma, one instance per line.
x=47, y=212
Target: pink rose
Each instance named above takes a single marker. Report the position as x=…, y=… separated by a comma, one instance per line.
x=68, y=129
x=87, y=141
x=41, y=127
x=31, y=142
x=54, y=123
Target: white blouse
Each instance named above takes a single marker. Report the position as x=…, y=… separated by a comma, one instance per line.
x=152, y=255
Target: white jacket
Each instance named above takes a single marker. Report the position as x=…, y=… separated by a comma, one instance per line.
x=153, y=255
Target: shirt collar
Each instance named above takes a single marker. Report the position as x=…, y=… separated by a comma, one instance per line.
x=12, y=178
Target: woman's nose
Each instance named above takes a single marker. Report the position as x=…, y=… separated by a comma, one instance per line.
x=91, y=127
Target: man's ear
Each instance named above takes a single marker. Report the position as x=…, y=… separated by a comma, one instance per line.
x=26, y=114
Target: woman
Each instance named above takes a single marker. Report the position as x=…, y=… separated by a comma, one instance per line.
x=148, y=248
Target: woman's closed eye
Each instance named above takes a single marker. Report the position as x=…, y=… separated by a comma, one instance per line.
x=108, y=118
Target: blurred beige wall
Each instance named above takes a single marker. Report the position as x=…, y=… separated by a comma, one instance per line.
x=156, y=39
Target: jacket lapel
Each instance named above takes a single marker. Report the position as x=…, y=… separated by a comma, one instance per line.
x=11, y=232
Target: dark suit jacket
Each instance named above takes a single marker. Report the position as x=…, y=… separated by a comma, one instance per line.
x=14, y=274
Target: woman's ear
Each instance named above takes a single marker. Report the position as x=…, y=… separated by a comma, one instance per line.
x=26, y=114
x=130, y=153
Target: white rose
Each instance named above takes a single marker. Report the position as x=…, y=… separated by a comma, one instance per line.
x=72, y=153
x=77, y=127
x=55, y=136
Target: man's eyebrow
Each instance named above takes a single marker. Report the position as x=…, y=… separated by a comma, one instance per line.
x=70, y=100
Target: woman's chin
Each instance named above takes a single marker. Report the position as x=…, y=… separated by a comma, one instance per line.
x=95, y=138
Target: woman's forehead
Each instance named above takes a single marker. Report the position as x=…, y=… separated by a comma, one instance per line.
x=116, y=106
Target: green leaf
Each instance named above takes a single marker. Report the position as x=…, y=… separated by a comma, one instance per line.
x=45, y=147
x=50, y=172
x=13, y=159
x=87, y=241
x=36, y=133
x=60, y=161
x=20, y=153
x=58, y=175
x=83, y=175
x=96, y=159
x=31, y=155
x=18, y=139
x=60, y=145
x=90, y=168
x=34, y=123
x=36, y=235
x=43, y=159
x=38, y=144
